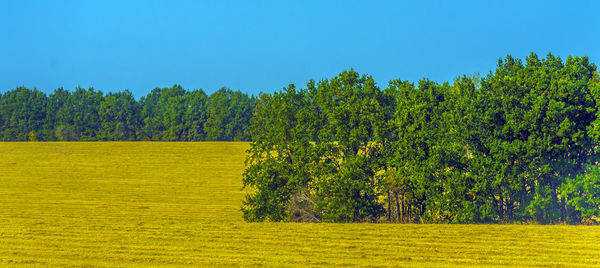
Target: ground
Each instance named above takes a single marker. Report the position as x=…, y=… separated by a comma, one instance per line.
x=178, y=204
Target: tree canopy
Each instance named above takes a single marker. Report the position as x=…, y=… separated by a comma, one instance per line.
x=517, y=145
x=165, y=114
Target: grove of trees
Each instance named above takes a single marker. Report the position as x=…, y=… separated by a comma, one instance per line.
x=520, y=144
x=167, y=114
x=517, y=145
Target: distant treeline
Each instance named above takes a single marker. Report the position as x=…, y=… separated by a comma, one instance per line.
x=517, y=145
x=168, y=114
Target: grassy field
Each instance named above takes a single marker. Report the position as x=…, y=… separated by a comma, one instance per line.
x=177, y=204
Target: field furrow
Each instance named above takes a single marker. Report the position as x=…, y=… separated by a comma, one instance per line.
x=178, y=204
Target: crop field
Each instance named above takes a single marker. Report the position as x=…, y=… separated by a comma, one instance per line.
x=177, y=204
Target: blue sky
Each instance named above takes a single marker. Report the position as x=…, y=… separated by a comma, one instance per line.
x=258, y=46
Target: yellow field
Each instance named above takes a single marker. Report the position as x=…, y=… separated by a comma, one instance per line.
x=177, y=204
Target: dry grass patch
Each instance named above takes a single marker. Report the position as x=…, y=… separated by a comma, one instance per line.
x=177, y=204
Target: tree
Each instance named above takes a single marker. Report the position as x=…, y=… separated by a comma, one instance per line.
x=277, y=164
x=313, y=155
x=22, y=111
x=240, y=111
x=119, y=115
x=85, y=105
x=229, y=114
x=162, y=114
x=431, y=158
x=195, y=115
x=347, y=186
x=583, y=194
x=529, y=132
x=60, y=115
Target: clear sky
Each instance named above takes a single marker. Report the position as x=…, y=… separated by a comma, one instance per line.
x=256, y=46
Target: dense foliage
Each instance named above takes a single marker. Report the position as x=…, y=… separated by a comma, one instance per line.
x=167, y=114
x=518, y=145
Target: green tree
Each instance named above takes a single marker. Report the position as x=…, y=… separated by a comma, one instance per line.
x=85, y=105
x=195, y=115
x=529, y=132
x=430, y=157
x=583, y=195
x=218, y=115
x=229, y=114
x=162, y=114
x=349, y=145
x=59, y=115
x=22, y=111
x=314, y=154
x=119, y=115
x=240, y=109
x=278, y=169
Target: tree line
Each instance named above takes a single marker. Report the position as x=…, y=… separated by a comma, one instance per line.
x=519, y=144
x=165, y=114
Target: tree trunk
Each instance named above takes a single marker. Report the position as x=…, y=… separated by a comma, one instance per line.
x=567, y=212
x=500, y=204
x=563, y=210
x=403, y=209
x=561, y=203
x=408, y=211
x=389, y=206
x=558, y=202
x=509, y=209
x=398, y=212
